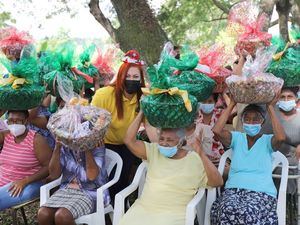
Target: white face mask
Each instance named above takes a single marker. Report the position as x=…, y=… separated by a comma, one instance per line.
x=17, y=129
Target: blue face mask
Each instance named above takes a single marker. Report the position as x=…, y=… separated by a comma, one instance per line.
x=206, y=108
x=287, y=106
x=252, y=129
x=168, y=152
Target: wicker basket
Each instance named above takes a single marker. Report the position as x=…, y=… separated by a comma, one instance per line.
x=65, y=125
x=257, y=89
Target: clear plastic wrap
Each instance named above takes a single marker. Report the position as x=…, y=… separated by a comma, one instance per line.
x=77, y=125
x=246, y=13
x=255, y=86
x=212, y=63
x=13, y=41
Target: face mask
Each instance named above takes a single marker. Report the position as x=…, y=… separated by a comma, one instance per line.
x=207, y=108
x=132, y=86
x=287, y=106
x=252, y=129
x=168, y=152
x=17, y=129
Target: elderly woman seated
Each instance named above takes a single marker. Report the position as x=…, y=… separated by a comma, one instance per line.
x=174, y=176
x=250, y=193
x=24, y=160
x=82, y=174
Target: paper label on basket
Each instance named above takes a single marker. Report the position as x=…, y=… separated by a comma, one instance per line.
x=3, y=126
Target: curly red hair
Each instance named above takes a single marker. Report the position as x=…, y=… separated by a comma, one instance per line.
x=119, y=85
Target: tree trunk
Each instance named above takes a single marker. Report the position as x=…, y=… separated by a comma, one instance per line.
x=267, y=7
x=283, y=8
x=139, y=29
x=295, y=11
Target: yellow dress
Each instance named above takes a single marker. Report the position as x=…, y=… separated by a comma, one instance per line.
x=170, y=185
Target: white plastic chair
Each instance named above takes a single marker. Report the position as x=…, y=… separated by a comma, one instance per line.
x=138, y=183
x=278, y=160
x=97, y=218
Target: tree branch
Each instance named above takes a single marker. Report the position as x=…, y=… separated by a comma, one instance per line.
x=221, y=6
x=275, y=22
x=99, y=16
x=215, y=19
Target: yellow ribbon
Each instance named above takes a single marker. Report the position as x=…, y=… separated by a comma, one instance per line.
x=278, y=55
x=15, y=82
x=171, y=91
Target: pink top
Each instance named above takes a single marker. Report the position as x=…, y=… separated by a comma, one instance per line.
x=18, y=161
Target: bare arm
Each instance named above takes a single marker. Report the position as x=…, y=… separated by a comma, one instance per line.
x=214, y=178
x=224, y=135
x=43, y=153
x=55, y=169
x=92, y=169
x=38, y=121
x=137, y=147
x=279, y=134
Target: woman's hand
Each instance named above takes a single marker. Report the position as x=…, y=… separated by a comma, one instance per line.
x=17, y=187
x=197, y=144
x=298, y=152
x=275, y=100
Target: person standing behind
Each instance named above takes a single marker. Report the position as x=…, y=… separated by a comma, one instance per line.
x=289, y=117
x=121, y=99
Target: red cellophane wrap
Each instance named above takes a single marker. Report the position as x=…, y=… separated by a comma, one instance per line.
x=104, y=64
x=252, y=37
x=212, y=63
x=13, y=41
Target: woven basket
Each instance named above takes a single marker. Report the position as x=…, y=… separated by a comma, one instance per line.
x=63, y=125
x=26, y=97
x=259, y=89
x=166, y=111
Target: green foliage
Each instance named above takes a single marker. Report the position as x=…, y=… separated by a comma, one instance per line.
x=193, y=21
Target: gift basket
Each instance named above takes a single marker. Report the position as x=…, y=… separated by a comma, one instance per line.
x=246, y=13
x=165, y=105
x=61, y=63
x=197, y=84
x=13, y=41
x=286, y=62
x=19, y=87
x=87, y=67
x=212, y=63
x=255, y=86
x=78, y=126
x=188, y=59
x=104, y=64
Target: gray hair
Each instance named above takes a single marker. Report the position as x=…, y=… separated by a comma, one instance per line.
x=180, y=132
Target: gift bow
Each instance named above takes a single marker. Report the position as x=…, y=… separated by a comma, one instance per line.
x=15, y=82
x=171, y=91
x=278, y=55
x=256, y=29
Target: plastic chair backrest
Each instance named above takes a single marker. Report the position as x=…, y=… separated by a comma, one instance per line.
x=111, y=160
x=278, y=160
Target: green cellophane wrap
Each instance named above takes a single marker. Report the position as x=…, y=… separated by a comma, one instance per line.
x=87, y=67
x=188, y=59
x=51, y=80
x=197, y=84
x=288, y=66
x=89, y=70
x=60, y=62
x=27, y=95
x=165, y=110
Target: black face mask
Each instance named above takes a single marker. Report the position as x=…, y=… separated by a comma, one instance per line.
x=132, y=86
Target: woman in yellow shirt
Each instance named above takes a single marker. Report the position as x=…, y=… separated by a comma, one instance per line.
x=121, y=99
x=173, y=177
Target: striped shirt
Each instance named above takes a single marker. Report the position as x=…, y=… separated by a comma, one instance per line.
x=18, y=160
